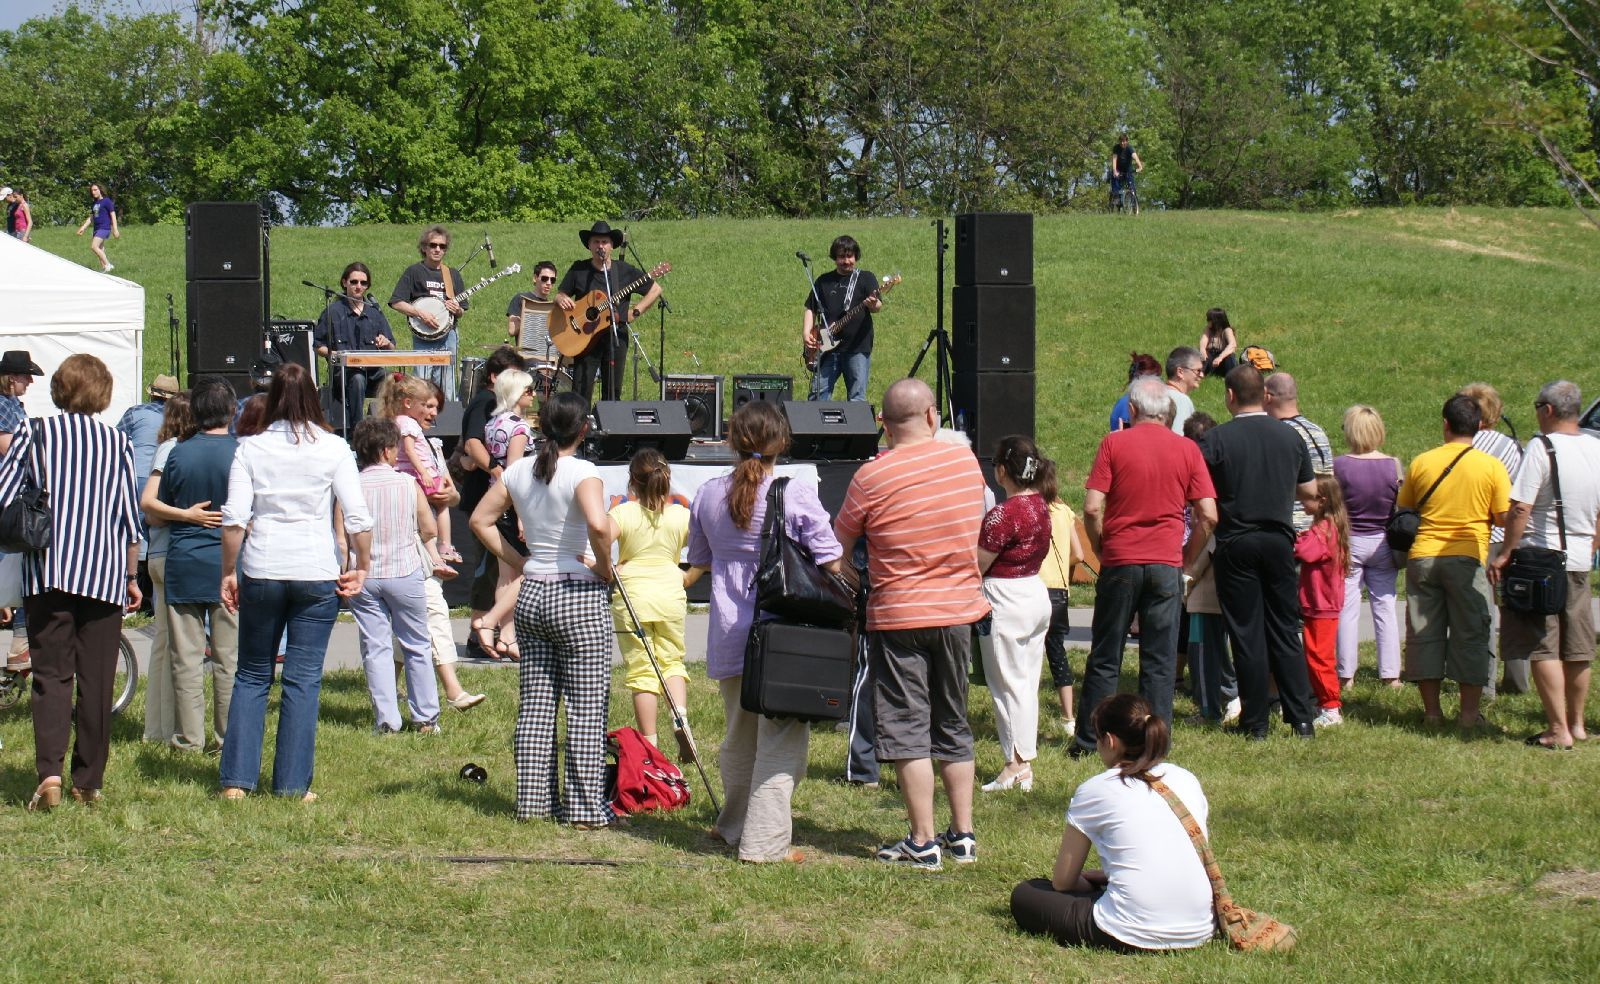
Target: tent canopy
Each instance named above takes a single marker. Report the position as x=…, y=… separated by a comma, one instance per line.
x=54, y=308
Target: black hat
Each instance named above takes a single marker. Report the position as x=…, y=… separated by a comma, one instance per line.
x=19, y=363
x=601, y=228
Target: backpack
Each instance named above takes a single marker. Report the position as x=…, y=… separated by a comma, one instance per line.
x=1259, y=357
x=642, y=778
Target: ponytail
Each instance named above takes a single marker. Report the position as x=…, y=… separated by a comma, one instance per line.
x=650, y=479
x=759, y=433
x=1144, y=735
x=562, y=419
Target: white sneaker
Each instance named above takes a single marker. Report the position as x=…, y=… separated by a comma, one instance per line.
x=1329, y=717
x=108, y=268
x=1230, y=713
x=1069, y=726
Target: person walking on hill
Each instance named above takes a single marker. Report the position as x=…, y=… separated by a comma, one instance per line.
x=103, y=216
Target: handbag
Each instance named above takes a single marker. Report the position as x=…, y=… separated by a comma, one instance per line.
x=1244, y=929
x=25, y=520
x=788, y=582
x=1401, y=528
x=796, y=671
x=1535, y=580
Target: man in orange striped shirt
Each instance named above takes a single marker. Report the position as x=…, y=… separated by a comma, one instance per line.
x=920, y=505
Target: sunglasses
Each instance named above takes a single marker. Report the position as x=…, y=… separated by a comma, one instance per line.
x=438, y=246
x=547, y=280
x=356, y=283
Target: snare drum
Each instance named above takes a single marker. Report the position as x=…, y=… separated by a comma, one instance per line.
x=549, y=378
x=470, y=378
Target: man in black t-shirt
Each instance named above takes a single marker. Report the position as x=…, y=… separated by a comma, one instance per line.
x=544, y=281
x=1259, y=466
x=426, y=278
x=474, y=485
x=840, y=290
x=1125, y=163
x=607, y=354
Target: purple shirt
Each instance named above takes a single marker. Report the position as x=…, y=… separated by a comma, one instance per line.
x=1369, y=485
x=733, y=555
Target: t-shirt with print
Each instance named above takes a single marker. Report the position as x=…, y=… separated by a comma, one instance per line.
x=499, y=431
x=417, y=280
x=1017, y=532
x=921, y=505
x=100, y=211
x=1456, y=517
x=839, y=296
x=1147, y=474
x=1578, y=468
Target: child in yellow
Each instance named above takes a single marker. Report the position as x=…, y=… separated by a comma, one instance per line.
x=1065, y=551
x=651, y=534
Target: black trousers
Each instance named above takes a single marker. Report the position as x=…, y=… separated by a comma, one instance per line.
x=598, y=362
x=1066, y=917
x=1256, y=584
x=72, y=638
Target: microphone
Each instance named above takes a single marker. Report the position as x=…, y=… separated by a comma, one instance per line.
x=493, y=263
x=313, y=286
x=801, y=256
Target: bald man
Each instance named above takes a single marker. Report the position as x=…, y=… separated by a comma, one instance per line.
x=1282, y=402
x=920, y=505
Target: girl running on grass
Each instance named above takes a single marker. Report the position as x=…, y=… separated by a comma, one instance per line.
x=410, y=403
x=1324, y=555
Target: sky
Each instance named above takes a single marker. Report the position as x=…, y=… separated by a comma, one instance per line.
x=14, y=12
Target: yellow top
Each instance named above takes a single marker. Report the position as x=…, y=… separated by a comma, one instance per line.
x=1057, y=570
x=1456, y=518
x=648, y=547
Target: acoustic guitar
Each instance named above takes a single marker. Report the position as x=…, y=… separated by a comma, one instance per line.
x=442, y=318
x=574, y=332
x=829, y=340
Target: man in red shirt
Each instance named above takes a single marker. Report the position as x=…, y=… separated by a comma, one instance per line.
x=1141, y=480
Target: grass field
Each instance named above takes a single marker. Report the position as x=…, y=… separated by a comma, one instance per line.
x=1400, y=854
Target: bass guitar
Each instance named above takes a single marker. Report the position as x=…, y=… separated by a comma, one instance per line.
x=443, y=320
x=574, y=332
x=829, y=340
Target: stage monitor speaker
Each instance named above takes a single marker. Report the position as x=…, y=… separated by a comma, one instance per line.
x=224, y=325
x=627, y=426
x=702, y=398
x=764, y=387
x=992, y=405
x=828, y=430
x=293, y=341
x=222, y=240
x=994, y=248
x=993, y=328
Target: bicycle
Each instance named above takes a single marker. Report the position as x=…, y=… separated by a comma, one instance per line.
x=1128, y=201
x=14, y=683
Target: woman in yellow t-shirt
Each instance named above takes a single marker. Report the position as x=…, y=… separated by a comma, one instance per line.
x=1065, y=551
x=651, y=534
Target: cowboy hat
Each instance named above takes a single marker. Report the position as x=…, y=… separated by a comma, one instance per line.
x=601, y=228
x=164, y=386
x=19, y=363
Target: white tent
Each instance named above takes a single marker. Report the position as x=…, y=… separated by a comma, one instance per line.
x=55, y=308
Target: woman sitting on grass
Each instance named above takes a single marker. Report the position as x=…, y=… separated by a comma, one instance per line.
x=1152, y=892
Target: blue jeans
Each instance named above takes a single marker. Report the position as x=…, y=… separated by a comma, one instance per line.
x=1155, y=591
x=445, y=376
x=829, y=367
x=307, y=609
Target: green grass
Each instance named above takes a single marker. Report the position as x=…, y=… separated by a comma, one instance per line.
x=1399, y=855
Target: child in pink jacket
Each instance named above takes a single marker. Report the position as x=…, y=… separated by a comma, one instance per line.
x=1324, y=555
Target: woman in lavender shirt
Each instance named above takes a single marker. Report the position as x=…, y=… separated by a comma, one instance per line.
x=761, y=758
x=1369, y=479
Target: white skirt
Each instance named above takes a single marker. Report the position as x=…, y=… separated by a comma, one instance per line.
x=1013, y=655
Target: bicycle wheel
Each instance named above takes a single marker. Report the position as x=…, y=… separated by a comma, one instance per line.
x=1133, y=201
x=126, y=680
x=12, y=687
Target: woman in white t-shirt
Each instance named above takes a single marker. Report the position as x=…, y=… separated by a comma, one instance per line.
x=562, y=620
x=1151, y=892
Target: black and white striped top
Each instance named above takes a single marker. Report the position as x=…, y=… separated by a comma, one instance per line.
x=86, y=468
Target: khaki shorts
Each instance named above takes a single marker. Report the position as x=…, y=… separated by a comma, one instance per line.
x=1567, y=636
x=1447, y=621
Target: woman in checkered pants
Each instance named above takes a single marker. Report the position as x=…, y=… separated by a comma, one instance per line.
x=563, y=623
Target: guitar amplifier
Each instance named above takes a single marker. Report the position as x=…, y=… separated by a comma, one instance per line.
x=702, y=398
x=797, y=671
x=764, y=387
x=292, y=342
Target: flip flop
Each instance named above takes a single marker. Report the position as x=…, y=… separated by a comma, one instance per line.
x=478, y=629
x=1538, y=741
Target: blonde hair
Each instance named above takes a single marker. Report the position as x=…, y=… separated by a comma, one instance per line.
x=1363, y=429
x=396, y=389
x=1488, y=401
x=508, y=389
x=1334, y=512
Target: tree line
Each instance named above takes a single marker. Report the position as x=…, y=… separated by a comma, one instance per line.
x=412, y=110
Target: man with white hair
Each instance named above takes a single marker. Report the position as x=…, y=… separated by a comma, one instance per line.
x=1141, y=480
x=1554, y=500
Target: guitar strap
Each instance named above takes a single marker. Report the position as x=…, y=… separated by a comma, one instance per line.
x=850, y=289
x=449, y=282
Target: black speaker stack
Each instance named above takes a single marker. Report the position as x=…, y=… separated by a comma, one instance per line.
x=226, y=310
x=992, y=336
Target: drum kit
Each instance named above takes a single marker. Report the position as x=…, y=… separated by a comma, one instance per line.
x=549, y=376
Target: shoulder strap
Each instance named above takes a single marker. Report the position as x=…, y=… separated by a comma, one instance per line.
x=1219, y=890
x=1441, y=477
x=1555, y=489
x=774, y=508
x=1310, y=441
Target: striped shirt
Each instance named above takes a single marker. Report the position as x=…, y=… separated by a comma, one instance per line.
x=392, y=500
x=1509, y=452
x=87, y=470
x=921, y=505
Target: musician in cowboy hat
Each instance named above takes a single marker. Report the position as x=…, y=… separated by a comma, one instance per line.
x=611, y=281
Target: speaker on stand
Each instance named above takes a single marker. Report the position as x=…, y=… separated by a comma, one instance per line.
x=225, y=264
x=993, y=342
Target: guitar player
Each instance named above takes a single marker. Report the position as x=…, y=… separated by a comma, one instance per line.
x=607, y=354
x=839, y=289
x=426, y=278
x=351, y=323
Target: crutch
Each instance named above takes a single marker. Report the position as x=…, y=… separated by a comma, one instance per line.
x=680, y=725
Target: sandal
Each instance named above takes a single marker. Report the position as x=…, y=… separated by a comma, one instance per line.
x=451, y=555
x=1540, y=740
x=445, y=572
x=478, y=630
x=510, y=649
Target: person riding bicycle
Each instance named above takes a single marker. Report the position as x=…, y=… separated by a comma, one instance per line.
x=1125, y=163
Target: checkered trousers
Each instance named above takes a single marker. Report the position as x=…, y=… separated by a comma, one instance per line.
x=564, y=634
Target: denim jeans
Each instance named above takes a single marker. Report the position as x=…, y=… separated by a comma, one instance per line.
x=445, y=376
x=1155, y=591
x=853, y=367
x=266, y=608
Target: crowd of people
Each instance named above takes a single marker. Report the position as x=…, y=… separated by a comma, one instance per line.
x=1236, y=551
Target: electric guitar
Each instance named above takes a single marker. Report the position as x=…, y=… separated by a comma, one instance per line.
x=442, y=318
x=829, y=340
x=574, y=332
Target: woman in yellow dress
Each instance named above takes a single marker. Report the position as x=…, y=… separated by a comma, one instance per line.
x=1056, y=573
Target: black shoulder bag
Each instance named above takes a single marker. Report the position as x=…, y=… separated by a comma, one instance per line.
x=789, y=584
x=1535, y=581
x=25, y=520
x=1401, y=528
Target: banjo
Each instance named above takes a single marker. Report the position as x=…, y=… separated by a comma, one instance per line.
x=443, y=319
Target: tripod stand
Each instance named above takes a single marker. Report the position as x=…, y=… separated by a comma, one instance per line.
x=938, y=338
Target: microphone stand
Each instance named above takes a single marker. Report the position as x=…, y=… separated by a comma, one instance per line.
x=662, y=307
x=822, y=317
x=328, y=294
x=172, y=340
x=470, y=257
